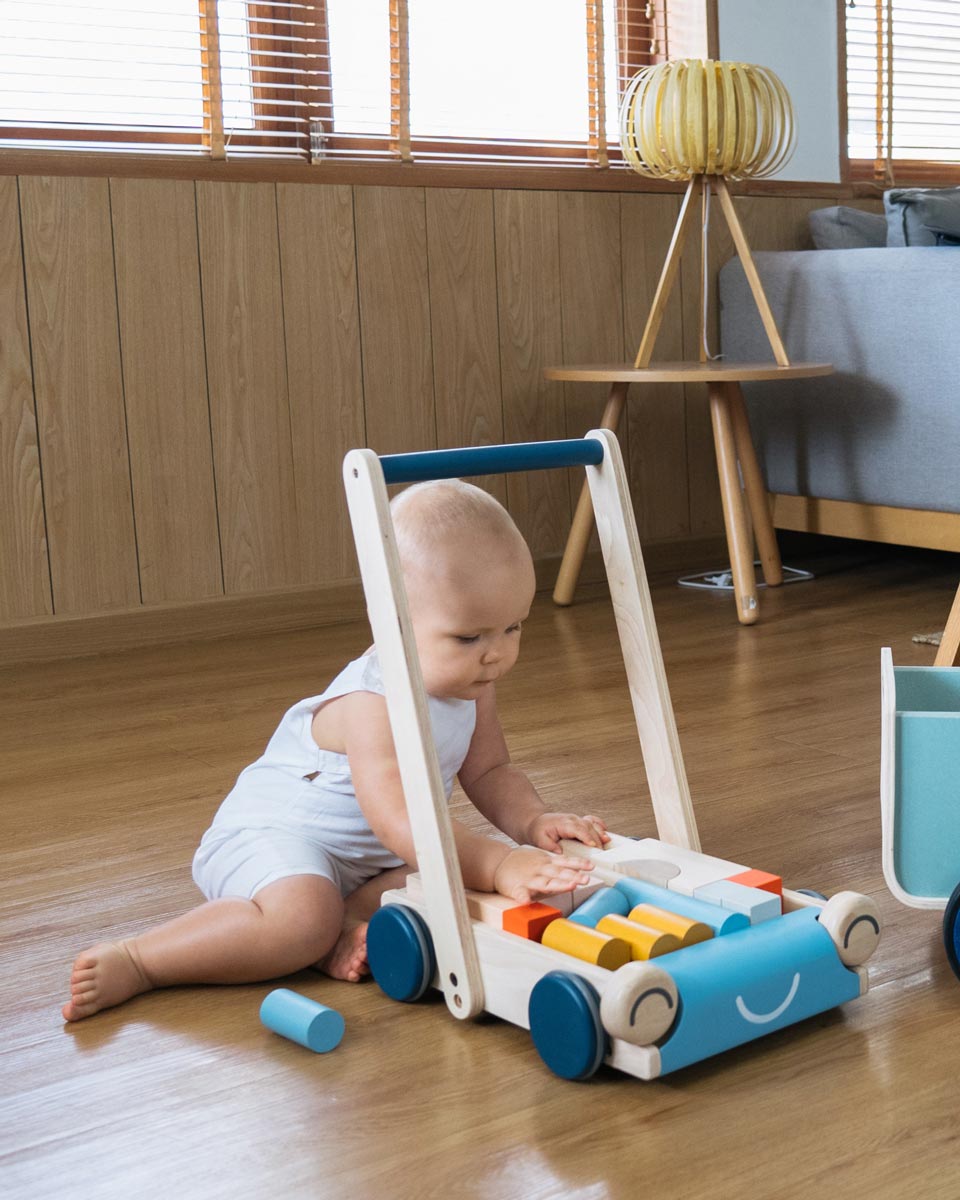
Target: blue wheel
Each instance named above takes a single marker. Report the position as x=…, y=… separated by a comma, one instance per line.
x=811, y=892
x=564, y=1015
x=951, y=931
x=400, y=952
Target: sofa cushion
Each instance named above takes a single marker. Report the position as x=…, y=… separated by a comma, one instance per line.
x=922, y=216
x=885, y=427
x=842, y=228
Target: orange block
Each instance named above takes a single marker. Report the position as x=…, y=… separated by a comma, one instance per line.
x=759, y=879
x=529, y=920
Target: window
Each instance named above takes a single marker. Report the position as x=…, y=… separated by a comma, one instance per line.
x=416, y=80
x=903, y=90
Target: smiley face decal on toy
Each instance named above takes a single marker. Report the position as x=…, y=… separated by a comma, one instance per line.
x=767, y=1017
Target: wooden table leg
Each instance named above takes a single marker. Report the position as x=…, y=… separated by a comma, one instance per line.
x=579, y=537
x=949, y=653
x=739, y=541
x=755, y=489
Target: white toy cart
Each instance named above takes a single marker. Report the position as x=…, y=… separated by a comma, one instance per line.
x=750, y=976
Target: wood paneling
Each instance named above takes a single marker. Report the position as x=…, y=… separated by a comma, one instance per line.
x=24, y=568
x=165, y=387
x=71, y=292
x=705, y=509
x=395, y=319
x=463, y=321
x=322, y=326
x=656, y=424
x=528, y=285
x=591, y=303
x=324, y=317
x=246, y=368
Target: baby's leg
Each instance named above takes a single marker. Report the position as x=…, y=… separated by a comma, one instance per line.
x=348, y=958
x=287, y=926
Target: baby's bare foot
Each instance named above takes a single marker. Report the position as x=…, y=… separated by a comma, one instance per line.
x=103, y=976
x=348, y=959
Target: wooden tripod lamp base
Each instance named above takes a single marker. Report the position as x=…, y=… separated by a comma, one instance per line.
x=699, y=188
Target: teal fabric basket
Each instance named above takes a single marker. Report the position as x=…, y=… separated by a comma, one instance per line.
x=922, y=828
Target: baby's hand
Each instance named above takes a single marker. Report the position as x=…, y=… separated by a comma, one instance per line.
x=547, y=830
x=526, y=872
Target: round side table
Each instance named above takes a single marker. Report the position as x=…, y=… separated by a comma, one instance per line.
x=736, y=458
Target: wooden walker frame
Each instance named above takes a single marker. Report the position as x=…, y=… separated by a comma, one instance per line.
x=480, y=968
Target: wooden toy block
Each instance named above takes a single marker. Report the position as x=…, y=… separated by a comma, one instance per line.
x=622, y=859
x=529, y=920
x=685, y=928
x=752, y=902
x=487, y=907
x=644, y=941
x=655, y=862
x=587, y=944
x=760, y=879
x=567, y=902
x=604, y=901
x=695, y=869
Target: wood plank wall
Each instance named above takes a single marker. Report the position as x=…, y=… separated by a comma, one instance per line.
x=184, y=365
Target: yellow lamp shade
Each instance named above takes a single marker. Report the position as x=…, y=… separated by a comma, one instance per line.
x=700, y=117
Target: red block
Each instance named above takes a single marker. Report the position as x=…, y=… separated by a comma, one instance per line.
x=529, y=920
x=759, y=879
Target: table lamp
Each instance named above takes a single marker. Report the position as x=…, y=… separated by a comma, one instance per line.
x=706, y=122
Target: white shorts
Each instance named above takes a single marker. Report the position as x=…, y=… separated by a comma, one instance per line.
x=241, y=862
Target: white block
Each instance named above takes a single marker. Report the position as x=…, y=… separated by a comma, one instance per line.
x=734, y=897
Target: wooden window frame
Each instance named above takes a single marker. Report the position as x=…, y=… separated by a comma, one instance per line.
x=291, y=112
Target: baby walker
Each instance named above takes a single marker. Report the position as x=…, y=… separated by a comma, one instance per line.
x=670, y=956
x=920, y=783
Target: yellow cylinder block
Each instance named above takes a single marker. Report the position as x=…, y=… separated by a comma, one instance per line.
x=689, y=932
x=587, y=944
x=644, y=941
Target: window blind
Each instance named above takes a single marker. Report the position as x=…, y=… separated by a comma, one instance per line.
x=903, y=88
x=519, y=81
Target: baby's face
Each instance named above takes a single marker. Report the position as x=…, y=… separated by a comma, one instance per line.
x=467, y=626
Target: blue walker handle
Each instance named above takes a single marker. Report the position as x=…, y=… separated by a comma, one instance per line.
x=491, y=460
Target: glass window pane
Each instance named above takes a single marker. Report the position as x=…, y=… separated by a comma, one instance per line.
x=501, y=69
x=115, y=63
x=359, y=33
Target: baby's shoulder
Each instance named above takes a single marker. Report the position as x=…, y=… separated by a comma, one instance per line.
x=338, y=720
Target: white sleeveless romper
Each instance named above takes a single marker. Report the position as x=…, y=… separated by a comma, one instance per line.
x=276, y=822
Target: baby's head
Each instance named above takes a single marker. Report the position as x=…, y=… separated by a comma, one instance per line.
x=470, y=582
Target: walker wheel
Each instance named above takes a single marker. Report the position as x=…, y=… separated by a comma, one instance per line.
x=951, y=931
x=400, y=952
x=565, y=1024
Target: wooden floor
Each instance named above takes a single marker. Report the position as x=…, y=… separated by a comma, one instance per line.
x=112, y=767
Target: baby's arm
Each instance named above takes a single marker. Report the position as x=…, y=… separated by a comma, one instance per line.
x=507, y=798
x=368, y=742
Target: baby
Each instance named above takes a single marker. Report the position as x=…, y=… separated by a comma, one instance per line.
x=301, y=851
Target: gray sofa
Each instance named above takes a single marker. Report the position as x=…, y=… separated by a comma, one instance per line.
x=885, y=429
